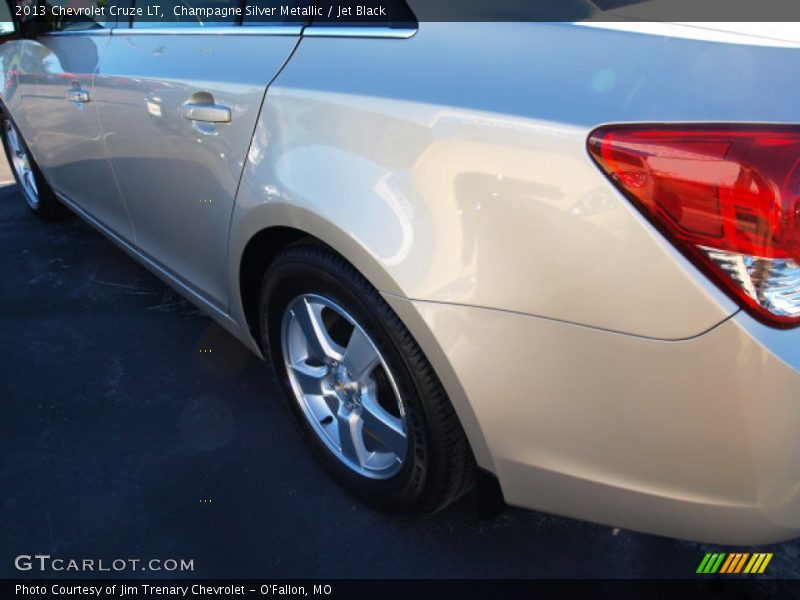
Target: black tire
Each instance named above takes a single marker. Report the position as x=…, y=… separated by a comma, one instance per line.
x=439, y=466
x=46, y=205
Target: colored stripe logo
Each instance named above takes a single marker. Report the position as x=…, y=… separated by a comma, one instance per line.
x=733, y=563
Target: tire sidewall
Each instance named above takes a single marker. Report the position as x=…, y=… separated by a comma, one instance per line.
x=48, y=206
x=295, y=275
x=6, y=118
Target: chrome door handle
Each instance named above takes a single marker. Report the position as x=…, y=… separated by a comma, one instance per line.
x=78, y=95
x=208, y=113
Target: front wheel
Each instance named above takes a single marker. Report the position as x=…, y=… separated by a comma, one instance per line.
x=366, y=397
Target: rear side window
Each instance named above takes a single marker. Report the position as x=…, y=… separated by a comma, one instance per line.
x=186, y=13
x=6, y=19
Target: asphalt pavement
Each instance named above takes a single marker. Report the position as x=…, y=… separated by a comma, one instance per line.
x=122, y=436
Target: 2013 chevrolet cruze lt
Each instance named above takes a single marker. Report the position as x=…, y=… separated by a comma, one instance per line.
x=567, y=254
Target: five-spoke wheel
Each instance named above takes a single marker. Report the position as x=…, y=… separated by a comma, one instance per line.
x=368, y=400
x=344, y=386
x=21, y=164
x=37, y=194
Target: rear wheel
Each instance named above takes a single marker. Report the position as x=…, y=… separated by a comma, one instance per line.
x=34, y=189
x=367, y=399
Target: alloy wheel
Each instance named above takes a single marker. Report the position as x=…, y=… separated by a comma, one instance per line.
x=344, y=386
x=21, y=164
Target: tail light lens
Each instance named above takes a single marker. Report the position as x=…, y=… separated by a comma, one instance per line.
x=727, y=196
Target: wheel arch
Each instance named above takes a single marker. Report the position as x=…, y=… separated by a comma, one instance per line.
x=255, y=248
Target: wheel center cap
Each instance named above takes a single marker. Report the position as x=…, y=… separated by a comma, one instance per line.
x=347, y=387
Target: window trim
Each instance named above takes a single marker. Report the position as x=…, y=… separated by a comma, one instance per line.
x=97, y=31
x=291, y=30
x=232, y=29
x=362, y=32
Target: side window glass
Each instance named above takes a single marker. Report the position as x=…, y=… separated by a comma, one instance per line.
x=186, y=13
x=6, y=20
x=74, y=15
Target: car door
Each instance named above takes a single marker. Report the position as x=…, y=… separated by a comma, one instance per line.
x=178, y=106
x=58, y=116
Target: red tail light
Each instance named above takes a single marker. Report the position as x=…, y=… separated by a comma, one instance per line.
x=727, y=196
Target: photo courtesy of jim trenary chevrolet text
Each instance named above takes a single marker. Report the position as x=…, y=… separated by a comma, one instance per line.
x=123, y=590
x=400, y=298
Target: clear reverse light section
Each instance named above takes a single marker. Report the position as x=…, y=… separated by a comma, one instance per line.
x=773, y=283
x=726, y=195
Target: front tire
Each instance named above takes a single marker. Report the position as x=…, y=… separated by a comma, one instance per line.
x=365, y=396
x=34, y=189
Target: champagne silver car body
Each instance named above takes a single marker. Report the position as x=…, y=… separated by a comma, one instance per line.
x=596, y=372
